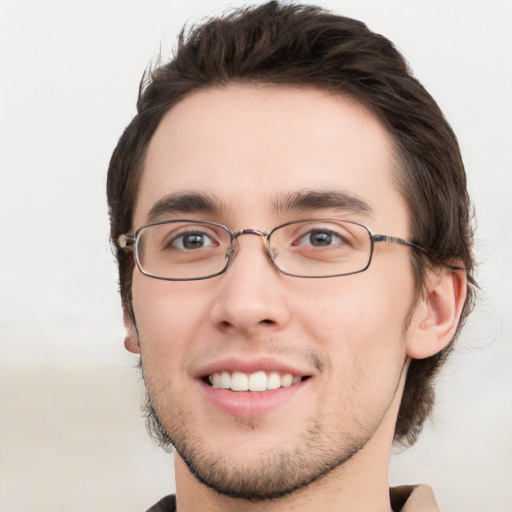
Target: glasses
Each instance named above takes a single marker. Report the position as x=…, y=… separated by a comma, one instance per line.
x=186, y=250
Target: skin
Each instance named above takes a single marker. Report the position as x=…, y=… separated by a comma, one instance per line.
x=328, y=442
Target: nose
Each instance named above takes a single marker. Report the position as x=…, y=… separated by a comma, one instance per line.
x=252, y=295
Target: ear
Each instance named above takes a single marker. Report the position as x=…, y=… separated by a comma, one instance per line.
x=437, y=313
x=131, y=341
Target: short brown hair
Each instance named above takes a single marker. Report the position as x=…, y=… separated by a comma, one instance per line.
x=305, y=45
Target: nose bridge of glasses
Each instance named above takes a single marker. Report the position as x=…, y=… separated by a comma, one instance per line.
x=248, y=231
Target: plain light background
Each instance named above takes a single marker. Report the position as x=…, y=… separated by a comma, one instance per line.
x=71, y=432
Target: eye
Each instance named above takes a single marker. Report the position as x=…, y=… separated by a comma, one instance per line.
x=190, y=240
x=321, y=238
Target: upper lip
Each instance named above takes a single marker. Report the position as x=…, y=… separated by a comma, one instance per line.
x=252, y=365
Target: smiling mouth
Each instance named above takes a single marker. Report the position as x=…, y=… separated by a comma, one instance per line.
x=258, y=381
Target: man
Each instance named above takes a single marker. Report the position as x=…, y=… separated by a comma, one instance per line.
x=293, y=236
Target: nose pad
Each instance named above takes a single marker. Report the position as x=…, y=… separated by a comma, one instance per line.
x=272, y=251
x=232, y=249
x=232, y=252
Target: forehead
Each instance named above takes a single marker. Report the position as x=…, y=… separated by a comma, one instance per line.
x=250, y=148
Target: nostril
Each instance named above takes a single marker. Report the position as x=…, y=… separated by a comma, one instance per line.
x=266, y=321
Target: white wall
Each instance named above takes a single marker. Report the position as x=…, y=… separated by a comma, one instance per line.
x=71, y=437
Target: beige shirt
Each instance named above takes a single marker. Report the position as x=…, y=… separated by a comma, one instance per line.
x=413, y=498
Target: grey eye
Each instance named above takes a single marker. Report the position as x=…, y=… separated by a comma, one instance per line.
x=320, y=238
x=191, y=240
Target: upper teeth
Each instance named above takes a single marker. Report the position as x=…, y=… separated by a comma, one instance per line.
x=258, y=381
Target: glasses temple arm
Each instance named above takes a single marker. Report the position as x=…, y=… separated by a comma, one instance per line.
x=408, y=243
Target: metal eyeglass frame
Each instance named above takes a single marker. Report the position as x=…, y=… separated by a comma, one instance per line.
x=128, y=242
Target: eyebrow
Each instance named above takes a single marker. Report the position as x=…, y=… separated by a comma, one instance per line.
x=322, y=200
x=300, y=201
x=184, y=203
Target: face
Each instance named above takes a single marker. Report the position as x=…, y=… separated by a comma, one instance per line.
x=242, y=155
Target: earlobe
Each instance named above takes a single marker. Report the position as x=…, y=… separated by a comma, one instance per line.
x=132, y=344
x=131, y=341
x=437, y=313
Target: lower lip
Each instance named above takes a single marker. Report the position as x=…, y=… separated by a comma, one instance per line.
x=251, y=404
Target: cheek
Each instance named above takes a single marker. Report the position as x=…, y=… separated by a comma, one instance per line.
x=365, y=346
x=168, y=315
x=360, y=322
x=356, y=305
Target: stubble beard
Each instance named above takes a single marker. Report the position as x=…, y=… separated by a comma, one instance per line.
x=275, y=475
